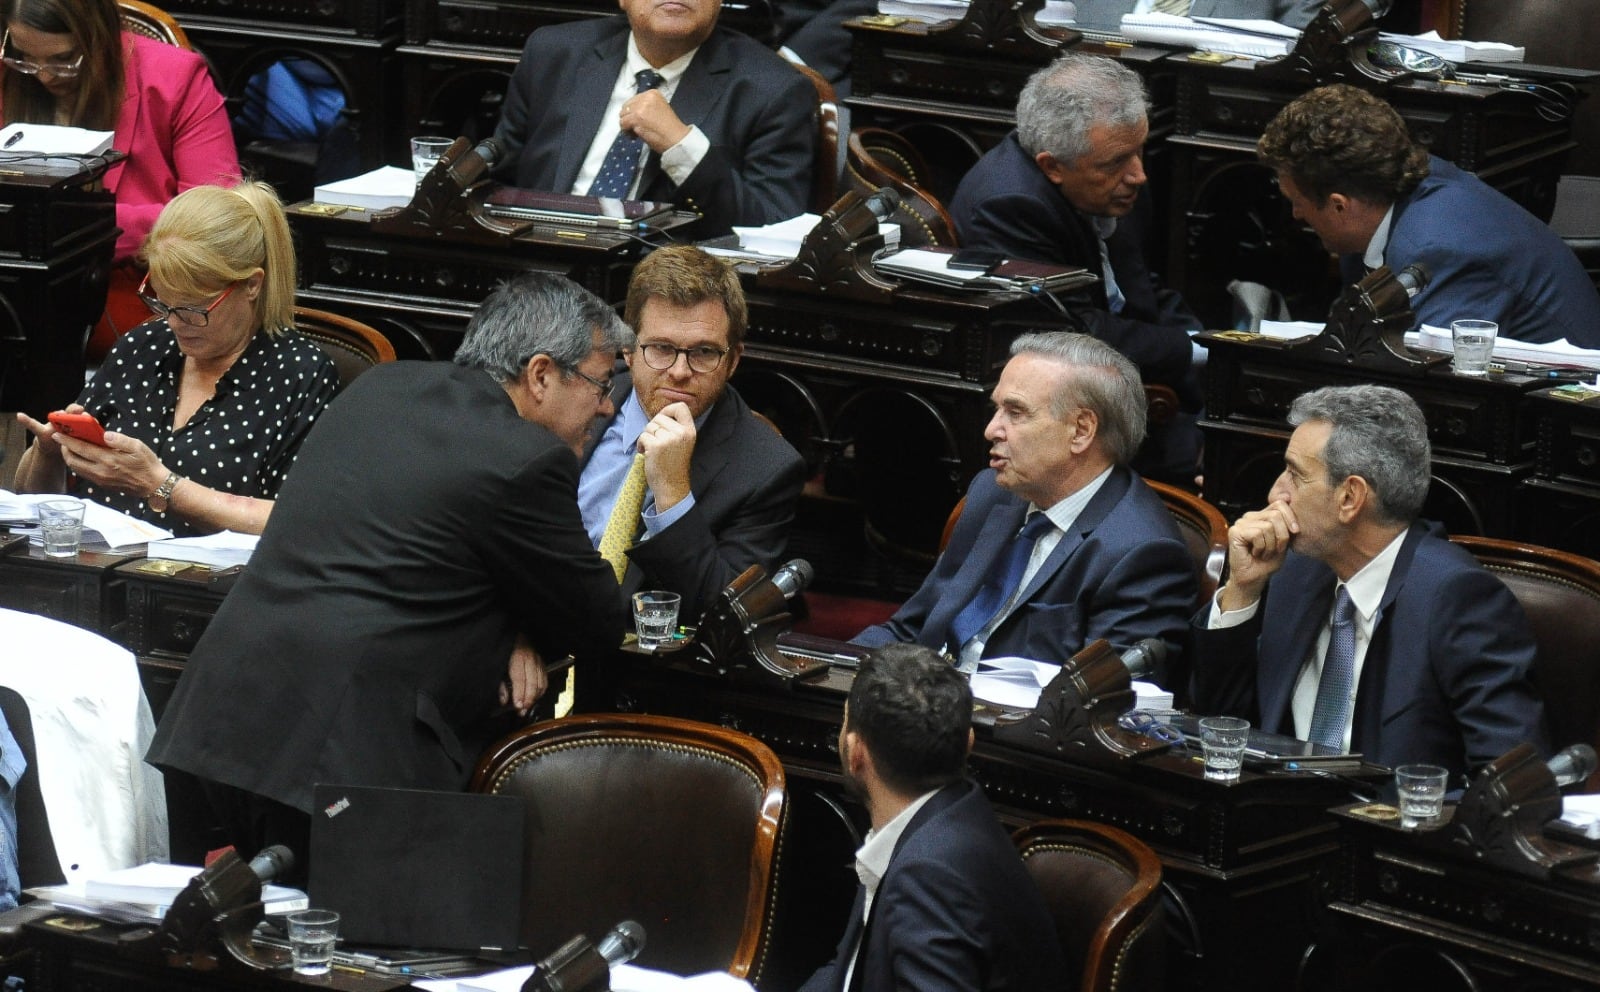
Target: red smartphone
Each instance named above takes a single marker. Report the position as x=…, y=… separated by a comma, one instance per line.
x=82, y=426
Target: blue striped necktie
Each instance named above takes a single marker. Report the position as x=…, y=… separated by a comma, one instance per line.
x=995, y=593
x=1332, y=712
x=615, y=177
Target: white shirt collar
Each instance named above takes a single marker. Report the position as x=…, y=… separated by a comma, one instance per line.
x=669, y=73
x=1367, y=585
x=1380, y=240
x=872, y=858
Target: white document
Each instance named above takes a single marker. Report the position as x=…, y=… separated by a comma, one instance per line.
x=220, y=550
x=779, y=240
x=1170, y=29
x=1290, y=330
x=1548, y=353
x=389, y=186
x=1013, y=683
x=1459, y=50
x=1582, y=812
x=52, y=139
x=624, y=978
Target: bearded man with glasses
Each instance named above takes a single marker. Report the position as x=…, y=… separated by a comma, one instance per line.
x=719, y=485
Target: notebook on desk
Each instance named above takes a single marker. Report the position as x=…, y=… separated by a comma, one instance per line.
x=565, y=208
x=414, y=868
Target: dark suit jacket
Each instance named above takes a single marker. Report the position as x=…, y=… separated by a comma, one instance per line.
x=1007, y=204
x=1489, y=259
x=1445, y=680
x=1107, y=14
x=758, y=113
x=745, y=480
x=1122, y=573
x=423, y=526
x=955, y=911
x=815, y=31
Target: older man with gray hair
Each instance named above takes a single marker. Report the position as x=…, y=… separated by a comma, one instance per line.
x=1347, y=622
x=1060, y=543
x=427, y=538
x=1067, y=187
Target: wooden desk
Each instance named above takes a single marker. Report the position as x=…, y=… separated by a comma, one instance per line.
x=1246, y=863
x=1559, y=506
x=82, y=590
x=1410, y=913
x=1482, y=429
x=79, y=954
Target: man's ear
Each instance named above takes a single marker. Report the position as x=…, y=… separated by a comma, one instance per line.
x=1050, y=166
x=1085, y=424
x=1354, y=494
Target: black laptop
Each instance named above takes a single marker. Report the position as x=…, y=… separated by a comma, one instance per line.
x=418, y=869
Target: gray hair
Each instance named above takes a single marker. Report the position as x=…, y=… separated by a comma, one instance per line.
x=539, y=313
x=1378, y=433
x=1076, y=92
x=1103, y=380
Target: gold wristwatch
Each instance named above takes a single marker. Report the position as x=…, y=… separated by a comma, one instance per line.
x=158, y=499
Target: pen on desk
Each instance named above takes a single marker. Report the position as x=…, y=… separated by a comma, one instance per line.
x=16, y=136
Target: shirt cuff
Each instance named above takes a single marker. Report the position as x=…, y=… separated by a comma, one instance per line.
x=1220, y=619
x=655, y=523
x=679, y=161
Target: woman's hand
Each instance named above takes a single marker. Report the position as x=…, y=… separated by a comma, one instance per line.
x=124, y=463
x=46, y=433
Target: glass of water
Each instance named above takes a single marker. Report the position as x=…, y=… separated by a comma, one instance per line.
x=426, y=151
x=312, y=934
x=655, y=617
x=1421, y=789
x=1223, y=738
x=61, y=526
x=1473, y=341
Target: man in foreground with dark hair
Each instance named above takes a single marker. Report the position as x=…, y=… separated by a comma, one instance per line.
x=945, y=903
x=1348, y=166
x=1374, y=634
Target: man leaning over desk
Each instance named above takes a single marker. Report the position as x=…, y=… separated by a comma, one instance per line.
x=429, y=525
x=661, y=104
x=713, y=487
x=1347, y=621
x=1060, y=543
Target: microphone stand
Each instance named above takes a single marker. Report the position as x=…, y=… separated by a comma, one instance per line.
x=1501, y=819
x=738, y=636
x=1366, y=328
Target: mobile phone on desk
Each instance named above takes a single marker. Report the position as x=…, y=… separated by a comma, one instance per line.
x=975, y=260
x=82, y=426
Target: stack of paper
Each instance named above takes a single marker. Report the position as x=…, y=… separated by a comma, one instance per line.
x=51, y=139
x=143, y=894
x=389, y=186
x=1232, y=37
x=1549, y=353
x=223, y=549
x=779, y=240
x=924, y=10
x=1459, y=50
x=624, y=978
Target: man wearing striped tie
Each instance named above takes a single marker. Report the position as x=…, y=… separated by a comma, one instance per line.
x=1347, y=621
x=683, y=487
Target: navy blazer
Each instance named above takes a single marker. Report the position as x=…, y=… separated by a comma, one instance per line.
x=1121, y=573
x=746, y=481
x=368, y=638
x=955, y=911
x=1489, y=259
x=758, y=113
x=1445, y=680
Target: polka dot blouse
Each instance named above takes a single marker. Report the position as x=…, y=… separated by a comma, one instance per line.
x=241, y=441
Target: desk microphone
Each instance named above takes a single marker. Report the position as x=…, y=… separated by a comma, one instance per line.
x=1143, y=657
x=490, y=151
x=883, y=203
x=579, y=966
x=272, y=862
x=1413, y=279
x=794, y=577
x=1572, y=764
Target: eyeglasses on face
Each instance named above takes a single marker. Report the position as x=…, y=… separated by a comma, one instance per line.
x=192, y=316
x=60, y=70
x=662, y=356
x=604, y=385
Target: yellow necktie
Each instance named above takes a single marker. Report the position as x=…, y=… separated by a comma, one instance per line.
x=623, y=524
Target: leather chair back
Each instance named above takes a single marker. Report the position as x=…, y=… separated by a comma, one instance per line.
x=1103, y=888
x=353, y=346
x=668, y=822
x=825, y=166
x=877, y=158
x=151, y=21
x=1204, y=530
x=1560, y=592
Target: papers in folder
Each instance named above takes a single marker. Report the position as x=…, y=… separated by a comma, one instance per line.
x=100, y=523
x=51, y=139
x=1259, y=39
x=1014, y=684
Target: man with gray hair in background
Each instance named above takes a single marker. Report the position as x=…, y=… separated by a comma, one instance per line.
x=1067, y=187
x=1348, y=622
x=429, y=533
x=1060, y=543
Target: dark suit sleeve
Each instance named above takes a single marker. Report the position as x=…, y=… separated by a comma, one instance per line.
x=697, y=556
x=1223, y=667
x=819, y=36
x=1482, y=652
x=937, y=923
x=1147, y=594
x=759, y=172
x=511, y=133
x=539, y=553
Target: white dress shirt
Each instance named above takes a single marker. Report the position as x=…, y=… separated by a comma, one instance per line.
x=872, y=863
x=678, y=161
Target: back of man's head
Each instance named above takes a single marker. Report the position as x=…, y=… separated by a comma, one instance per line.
x=1340, y=139
x=1077, y=92
x=683, y=275
x=913, y=711
x=1378, y=433
x=538, y=313
x=1102, y=380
